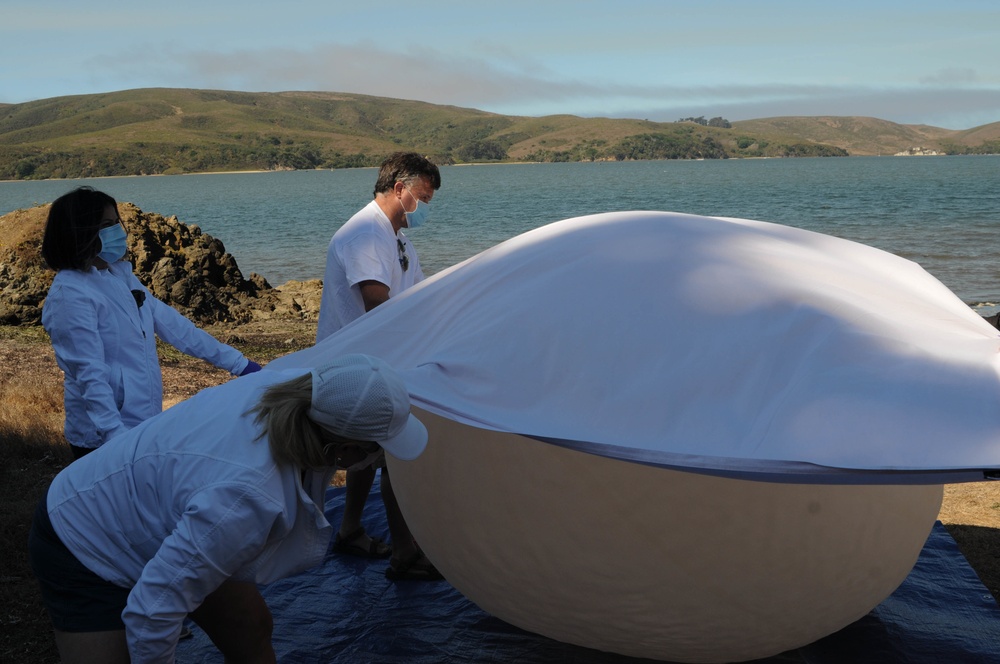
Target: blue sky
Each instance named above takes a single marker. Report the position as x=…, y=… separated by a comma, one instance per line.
x=913, y=62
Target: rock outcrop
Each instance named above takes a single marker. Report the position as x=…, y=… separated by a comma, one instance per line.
x=24, y=281
x=177, y=262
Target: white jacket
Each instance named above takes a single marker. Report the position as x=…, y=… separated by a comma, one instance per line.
x=183, y=502
x=106, y=346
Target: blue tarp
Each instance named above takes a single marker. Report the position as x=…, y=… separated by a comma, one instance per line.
x=347, y=611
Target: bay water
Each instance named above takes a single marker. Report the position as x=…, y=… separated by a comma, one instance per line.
x=942, y=212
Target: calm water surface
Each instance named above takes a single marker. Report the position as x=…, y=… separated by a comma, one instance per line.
x=942, y=212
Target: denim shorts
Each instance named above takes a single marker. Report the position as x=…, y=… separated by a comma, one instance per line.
x=77, y=599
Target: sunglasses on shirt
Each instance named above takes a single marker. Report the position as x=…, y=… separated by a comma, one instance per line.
x=404, y=260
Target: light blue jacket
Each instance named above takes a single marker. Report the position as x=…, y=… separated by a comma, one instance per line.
x=185, y=501
x=106, y=346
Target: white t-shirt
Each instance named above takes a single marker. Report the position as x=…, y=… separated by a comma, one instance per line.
x=363, y=249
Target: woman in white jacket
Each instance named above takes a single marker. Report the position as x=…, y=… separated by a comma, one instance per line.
x=104, y=323
x=187, y=512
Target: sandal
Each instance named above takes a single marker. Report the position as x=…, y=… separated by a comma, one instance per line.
x=415, y=568
x=349, y=545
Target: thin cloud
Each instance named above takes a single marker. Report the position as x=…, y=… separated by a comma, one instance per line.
x=426, y=75
x=942, y=107
x=951, y=76
x=364, y=68
x=512, y=85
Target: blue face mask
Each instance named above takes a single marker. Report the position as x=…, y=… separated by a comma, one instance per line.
x=112, y=243
x=419, y=214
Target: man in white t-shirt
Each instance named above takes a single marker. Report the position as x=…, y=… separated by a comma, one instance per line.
x=370, y=260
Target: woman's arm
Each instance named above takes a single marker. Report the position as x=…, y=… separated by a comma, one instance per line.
x=178, y=331
x=224, y=528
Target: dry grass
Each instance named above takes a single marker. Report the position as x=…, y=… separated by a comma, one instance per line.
x=971, y=513
x=32, y=451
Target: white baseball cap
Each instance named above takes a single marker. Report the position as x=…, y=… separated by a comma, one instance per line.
x=360, y=397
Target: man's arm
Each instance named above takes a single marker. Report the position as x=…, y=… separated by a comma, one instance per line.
x=373, y=293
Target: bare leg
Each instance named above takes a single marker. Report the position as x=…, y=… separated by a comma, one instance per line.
x=408, y=562
x=239, y=623
x=92, y=647
x=356, y=490
x=403, y=546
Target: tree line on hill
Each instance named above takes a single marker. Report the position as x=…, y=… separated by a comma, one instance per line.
x=714, y=122
x=274, y=153
x=144, y=159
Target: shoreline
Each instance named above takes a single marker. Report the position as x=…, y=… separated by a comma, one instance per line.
x=485, y=163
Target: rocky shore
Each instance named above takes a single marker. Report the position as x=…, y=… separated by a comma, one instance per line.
x=177, y=262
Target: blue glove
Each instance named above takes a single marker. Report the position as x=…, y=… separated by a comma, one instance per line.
x=252, y=367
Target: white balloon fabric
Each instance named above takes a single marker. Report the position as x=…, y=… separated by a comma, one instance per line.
x=601, y=394
x=723, y=346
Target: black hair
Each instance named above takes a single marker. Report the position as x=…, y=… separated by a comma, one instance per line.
x=406, y=167
x=70, y=241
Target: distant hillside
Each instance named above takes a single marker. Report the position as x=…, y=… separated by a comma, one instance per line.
x=154, y=131
x=871, y=136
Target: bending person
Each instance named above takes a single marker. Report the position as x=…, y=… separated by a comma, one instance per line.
x=187, y=512
x=104, y=323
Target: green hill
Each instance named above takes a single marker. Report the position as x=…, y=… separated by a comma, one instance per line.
x=871, y=136
x=161, y=130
